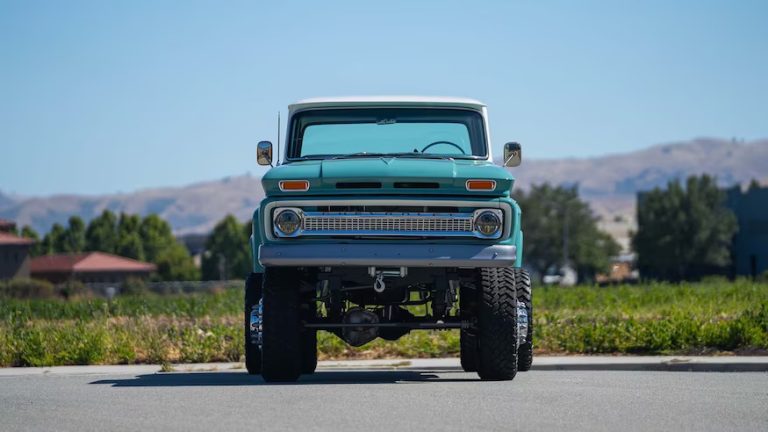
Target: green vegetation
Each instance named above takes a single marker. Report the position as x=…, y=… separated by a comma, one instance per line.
x=711, y=316
x=228, y=251
x=26, y=289
x=552, y=214
x=714, y=315
x=148, y=239
x=684, y=233
x=41, y=289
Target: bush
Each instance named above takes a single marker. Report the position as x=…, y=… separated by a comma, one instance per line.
x=134, y=286
x=714, y=280
x=73, y=289
x=27, y=289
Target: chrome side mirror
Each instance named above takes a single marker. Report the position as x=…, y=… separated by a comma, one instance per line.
x=264, y=153
x=513, y=154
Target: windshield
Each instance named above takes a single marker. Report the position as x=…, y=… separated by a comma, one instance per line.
x=372, y=132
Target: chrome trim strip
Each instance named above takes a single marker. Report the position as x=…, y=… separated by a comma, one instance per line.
x=393, y=224
x=359, y=221
x=491, y=204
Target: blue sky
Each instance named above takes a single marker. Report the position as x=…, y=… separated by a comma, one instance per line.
x=100, y=97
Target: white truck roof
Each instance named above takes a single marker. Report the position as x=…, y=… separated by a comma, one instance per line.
x=357, y=101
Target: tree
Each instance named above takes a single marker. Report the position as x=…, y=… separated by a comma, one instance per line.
x=28, y=232
x=74, y=236
x=128, y=224
x=175, y=264
x=684, y=233
x=148, y=239
x=156, y=236
x=65, y=240
x=128, y=238
x=228, y=252
x=129, y=245
x=161, y=247
x=560, y=229
x=53, y=242
x=101, y=234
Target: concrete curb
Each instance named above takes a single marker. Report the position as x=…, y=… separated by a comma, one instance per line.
x=541, y=363
x=655, y=363
x=594, y=363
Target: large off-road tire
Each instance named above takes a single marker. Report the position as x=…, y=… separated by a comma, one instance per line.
x=308, y=336
x=468, y=346
x=525, y=350
x=467, y=338
x=309, y=351
x=253, y=285
x=497, y=324
x=282, y=329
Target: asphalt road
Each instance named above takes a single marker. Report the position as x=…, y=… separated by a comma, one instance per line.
x=391, y=400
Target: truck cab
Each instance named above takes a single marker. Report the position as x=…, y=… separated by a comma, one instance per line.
x=387, y=215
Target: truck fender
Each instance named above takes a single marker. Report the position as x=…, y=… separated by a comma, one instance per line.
x=256, y=240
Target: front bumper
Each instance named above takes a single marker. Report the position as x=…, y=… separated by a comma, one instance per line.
x=389, y=255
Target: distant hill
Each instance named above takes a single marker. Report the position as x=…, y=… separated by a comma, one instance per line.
x=612, y=181
x=608, y=182
x=190, y=209
x=6, y=200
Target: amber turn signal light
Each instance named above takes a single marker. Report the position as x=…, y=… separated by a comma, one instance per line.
x=294, y=185
x=481, y=185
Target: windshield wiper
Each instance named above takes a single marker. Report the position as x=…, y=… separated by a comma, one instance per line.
x=361, y=154
x=418, y=155
x=395, y=155
x=414, y=155
x=310, y=157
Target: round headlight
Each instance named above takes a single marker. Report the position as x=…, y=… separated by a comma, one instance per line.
x=487, y=223
x=288, y=222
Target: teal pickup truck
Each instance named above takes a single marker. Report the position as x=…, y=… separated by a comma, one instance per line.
x=386, y=215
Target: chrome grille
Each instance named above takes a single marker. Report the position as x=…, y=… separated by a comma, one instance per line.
x=413, y=224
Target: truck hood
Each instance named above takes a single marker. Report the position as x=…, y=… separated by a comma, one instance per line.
x=388, y=176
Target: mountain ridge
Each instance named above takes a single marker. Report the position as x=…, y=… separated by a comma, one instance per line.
x=608, y=182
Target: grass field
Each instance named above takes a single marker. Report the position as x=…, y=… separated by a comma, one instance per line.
x=718, y=316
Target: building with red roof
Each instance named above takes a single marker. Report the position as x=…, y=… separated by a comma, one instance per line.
x=14, y=252
x=89, y=267
x=7, y=225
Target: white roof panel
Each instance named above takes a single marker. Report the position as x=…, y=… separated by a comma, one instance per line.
x=356, y=101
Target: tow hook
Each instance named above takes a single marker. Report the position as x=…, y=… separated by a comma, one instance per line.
x=378, y=276
x=378, y=284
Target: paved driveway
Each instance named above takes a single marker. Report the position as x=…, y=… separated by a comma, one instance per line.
x=391, y=400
